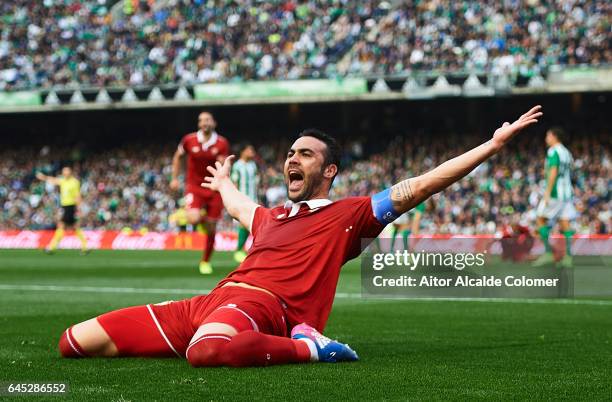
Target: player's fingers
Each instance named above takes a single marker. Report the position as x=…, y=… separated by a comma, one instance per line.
x=505, y=124
x=527, y=123
x=229, y=159
x=218, y=165
x=206, y=185
x=532, y=116
x=211, y=169
x=531, y=111
x=208, y=179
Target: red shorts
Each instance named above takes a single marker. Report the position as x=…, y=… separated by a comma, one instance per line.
x=197, y=197
x=165, y=329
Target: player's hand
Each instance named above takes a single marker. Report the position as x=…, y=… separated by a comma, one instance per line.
x=40, y=176
x=219, y=173
x=174, y=184
x=507, y=131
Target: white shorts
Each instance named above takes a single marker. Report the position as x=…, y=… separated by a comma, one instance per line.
x=556, y=209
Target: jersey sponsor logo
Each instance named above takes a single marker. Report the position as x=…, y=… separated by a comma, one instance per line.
x=195, y=149
x=214, y=151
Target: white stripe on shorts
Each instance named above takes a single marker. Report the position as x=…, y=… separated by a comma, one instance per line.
x=161, y=331
x=72, y=345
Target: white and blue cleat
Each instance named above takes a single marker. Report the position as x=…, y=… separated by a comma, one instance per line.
x=328, y=350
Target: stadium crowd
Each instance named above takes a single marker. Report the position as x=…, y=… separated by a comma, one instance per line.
x=129, y=187
x=68, y=42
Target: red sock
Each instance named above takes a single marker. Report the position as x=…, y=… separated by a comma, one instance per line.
x=208, y=247
x=248, y=348
x=206, y=351
x=69, y=347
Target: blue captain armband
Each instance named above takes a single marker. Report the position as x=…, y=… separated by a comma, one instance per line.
x=383, y=207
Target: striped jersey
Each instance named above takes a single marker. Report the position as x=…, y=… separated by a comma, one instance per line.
x=560, y=157
x=244, y=175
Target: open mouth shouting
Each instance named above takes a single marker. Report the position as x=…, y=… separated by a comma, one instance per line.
x=296, y=180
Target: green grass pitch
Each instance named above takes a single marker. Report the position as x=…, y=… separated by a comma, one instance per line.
x=410, y=350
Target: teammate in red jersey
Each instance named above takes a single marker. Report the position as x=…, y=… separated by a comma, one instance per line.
x=203, y=148
x=290, y=274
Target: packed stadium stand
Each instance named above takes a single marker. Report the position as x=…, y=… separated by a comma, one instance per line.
x=128, y=187
x=55, y=43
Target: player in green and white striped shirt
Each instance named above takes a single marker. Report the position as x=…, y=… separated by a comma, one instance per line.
x=557, y=202
x=244, y=175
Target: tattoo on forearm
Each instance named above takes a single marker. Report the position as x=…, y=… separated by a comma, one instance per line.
x=402, y=193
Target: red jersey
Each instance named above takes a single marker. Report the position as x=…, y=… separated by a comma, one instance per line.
x=298, y=257
x=201, y=154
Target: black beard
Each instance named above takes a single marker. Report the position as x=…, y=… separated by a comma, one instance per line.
x=308, y=190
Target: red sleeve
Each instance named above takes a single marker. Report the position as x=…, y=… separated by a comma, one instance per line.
x=260, y=218
x=368, y=225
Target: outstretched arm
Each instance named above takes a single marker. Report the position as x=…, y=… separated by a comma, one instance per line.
x=49, y=179
x=176, y=167
x=406, y=194
x=238, y=205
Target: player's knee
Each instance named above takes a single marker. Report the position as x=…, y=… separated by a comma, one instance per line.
x=206, y=353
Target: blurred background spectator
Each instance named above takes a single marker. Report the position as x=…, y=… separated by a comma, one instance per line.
x=132, y=42
x=128, y=186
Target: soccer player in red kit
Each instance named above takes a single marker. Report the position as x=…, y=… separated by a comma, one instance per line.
x=274, y=306
x=203, y=148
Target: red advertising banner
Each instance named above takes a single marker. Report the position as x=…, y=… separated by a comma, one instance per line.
x=226, y=241
x=114, y=240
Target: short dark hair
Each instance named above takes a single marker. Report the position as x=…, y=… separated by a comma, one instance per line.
x=332, y=152
x=559, y=132
x=244, y=145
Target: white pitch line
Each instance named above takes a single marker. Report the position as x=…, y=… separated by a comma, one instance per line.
x=340, y=295
x=505, y=300
x=102, y=289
